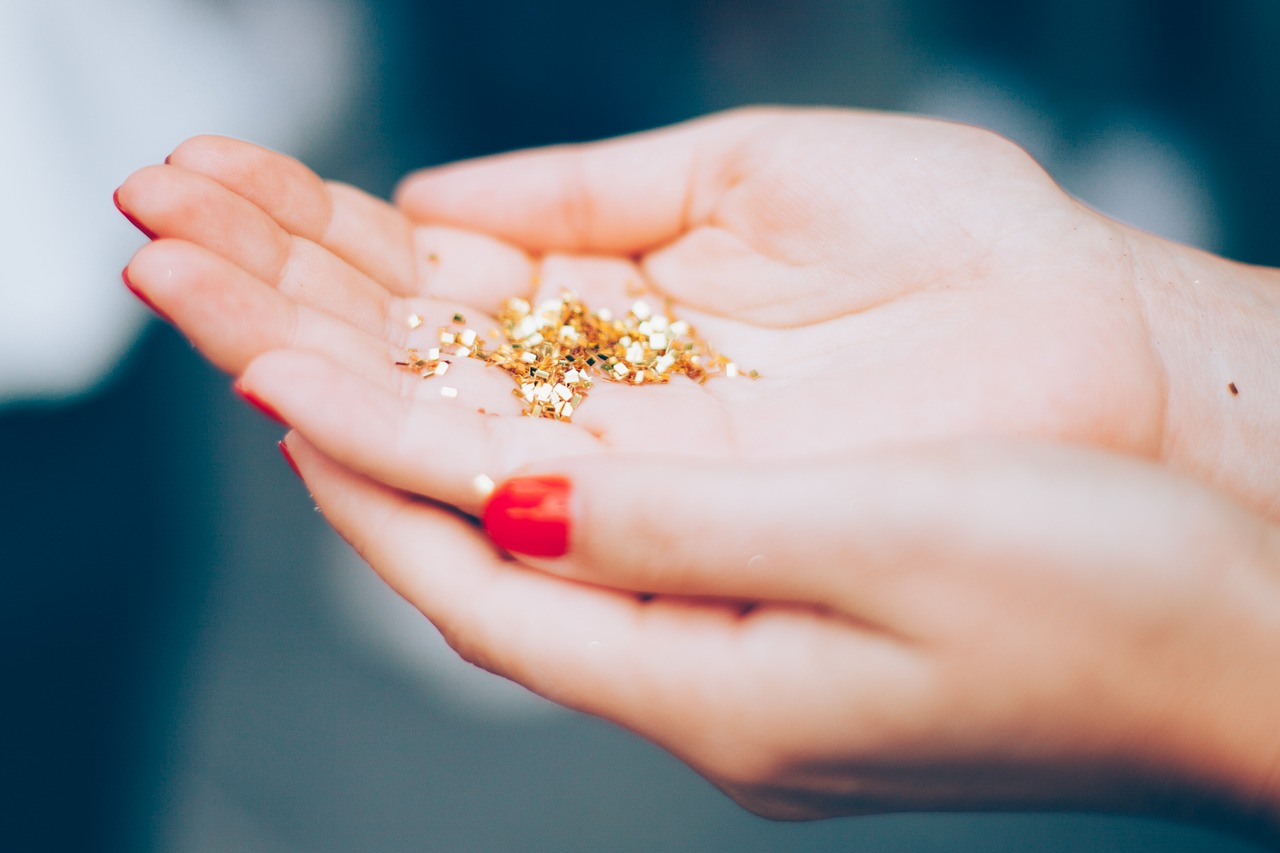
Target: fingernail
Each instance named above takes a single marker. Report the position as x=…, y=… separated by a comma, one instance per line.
x=142, y=297
x=530, y=515
x=288, y=457
x=115, y=197
x=258, y=404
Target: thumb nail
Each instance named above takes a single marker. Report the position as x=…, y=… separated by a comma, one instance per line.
x=530, y=515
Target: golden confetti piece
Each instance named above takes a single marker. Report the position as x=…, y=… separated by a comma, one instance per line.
x=467, y=338
x=448, y=391
x=458, y=318
x=414, y=321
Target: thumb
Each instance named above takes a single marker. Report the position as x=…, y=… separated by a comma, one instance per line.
x=720, y=528
x=624, y=195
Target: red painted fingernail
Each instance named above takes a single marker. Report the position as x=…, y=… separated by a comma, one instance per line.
x=530, y=515
x=288, y=457
x=258, y=404
x=142, y=297
x=115, y=197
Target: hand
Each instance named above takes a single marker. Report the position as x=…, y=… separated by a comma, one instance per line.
x=893, y=279
x=971, y=626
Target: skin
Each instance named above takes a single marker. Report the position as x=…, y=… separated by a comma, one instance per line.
x=902, y=285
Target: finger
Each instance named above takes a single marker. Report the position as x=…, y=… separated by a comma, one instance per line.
x=679, y=525
x=232, y=317
x=364, y=231
x=676, y=671
x=448, y=447
x=447, y=263
x=620, y=196
x=173, y=202
x=864, y=534
x=572, y=643
x=472, y=269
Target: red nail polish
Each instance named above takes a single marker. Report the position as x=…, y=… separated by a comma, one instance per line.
x=288, y=457
x=258, y=404
x=142, y=297
x=530, y=515
x=115, y=197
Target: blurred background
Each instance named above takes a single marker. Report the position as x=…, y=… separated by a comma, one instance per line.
x=192, y=661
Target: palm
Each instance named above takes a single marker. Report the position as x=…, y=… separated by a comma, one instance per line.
x=862, y=265
x=951, y=289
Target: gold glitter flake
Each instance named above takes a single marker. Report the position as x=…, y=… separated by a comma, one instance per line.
x=556, y=350
x=414, y=321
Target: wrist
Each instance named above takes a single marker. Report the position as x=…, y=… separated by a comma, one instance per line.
x=1215, y=326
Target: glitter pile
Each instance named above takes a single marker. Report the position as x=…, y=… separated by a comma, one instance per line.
x=556, y=350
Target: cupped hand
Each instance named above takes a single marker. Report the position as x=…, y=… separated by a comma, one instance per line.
x=892, y=279
x=832, y=631
x=958, y=626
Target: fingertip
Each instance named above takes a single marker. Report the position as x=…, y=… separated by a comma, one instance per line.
x=202, y=152
x=155, y=274
x=129, y=215
x=254, y=399
x=406, y=190
x=142, y=295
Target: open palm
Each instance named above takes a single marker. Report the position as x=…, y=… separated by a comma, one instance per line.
x=857, y=261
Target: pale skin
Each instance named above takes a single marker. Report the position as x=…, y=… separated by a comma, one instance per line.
x=859, y=606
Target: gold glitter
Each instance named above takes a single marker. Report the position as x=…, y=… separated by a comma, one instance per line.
x=554, y=351
x=414, y=321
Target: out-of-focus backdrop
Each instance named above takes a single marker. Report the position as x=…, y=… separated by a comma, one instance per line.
x=191, y=661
